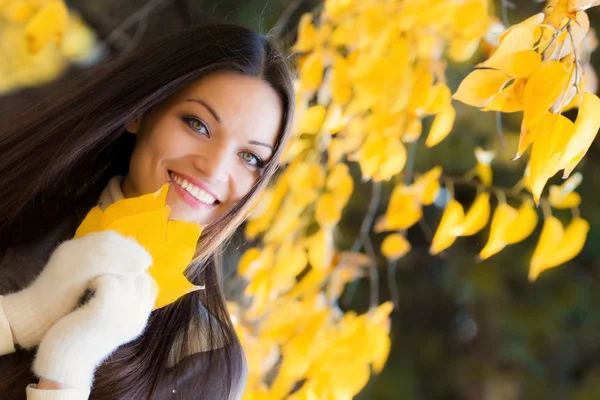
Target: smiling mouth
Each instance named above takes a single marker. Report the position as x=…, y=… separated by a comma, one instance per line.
x=197, y=193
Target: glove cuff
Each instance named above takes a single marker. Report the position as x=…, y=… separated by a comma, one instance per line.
x=24, y=319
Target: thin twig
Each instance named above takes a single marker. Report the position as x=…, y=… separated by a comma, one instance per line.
x=409, y=168
x=134, y=18
x=364, y=240
x=284, y=18
x=499, y=129
x=505, y=5
x=365, y=231
x=392, y=284
x=570, y=33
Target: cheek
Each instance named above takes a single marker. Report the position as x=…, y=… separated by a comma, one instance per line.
x=242, y=183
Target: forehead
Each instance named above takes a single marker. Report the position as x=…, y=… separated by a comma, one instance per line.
x=239, y=100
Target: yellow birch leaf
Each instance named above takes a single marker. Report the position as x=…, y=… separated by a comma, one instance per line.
x=412, y=132
x=341, y=90
x=172, y=244
x=478, y=88
x=395, y=246
x=524, y=224
x=48, y=24
x=426, y=186
x=311, y=120
x=311, y=72
x=563, y=196
x=134, y=205
x=393, y=161
x=571, y=243
x=320, y=250
x=307, y=34
x=514, y=41
x=340, y=184
x=585, y=130
x=560, y=201
x=550, y=237
x=440, y=97
x=90, y=223
x=547, y=150
x=542, y=90
x=532, y=24
x=404, y=210
x=510, y=99
x=518, y=65
x=453, y=215
x=19, y=11
x=484, y=172
x=249, y=262
x=327, y=212
x=421, y=89
x=462, y=49
x=442, y=126
x=503, y=219
x=476, y=218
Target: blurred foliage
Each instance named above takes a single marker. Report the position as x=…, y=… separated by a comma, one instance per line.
x=461, y=328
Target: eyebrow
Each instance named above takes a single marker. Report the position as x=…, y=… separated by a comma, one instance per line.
x=261, y=144
x=209, y=108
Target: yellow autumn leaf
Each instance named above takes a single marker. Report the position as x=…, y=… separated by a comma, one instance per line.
x=395, y=246
x=327, y=212
x=426, y=186
x=392, y=161
x=476, y=218
x=172, y=244
x=519, y=39
x=552, y=130
x=311, y=120
x=524, y=224
x=483, y=167
x=510, y=99
x=341, y=89
x=518, y=65
x=307, y=34
x=542, y=90
x=320, y=249
x=442, y=126
x=404, y=210
x=502, y=221
x=571, y=243
x=48, y=24
x=563, y=196
x=311, y=73
x=584, y=132
x=478, y=88
x=550, y=238
x=453, y=216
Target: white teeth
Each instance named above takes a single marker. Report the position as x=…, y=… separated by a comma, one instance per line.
x=195, y=191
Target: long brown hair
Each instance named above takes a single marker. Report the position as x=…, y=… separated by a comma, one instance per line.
x=59, y=155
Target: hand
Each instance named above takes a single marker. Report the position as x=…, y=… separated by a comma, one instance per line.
x=118, y=313
x=65, y=278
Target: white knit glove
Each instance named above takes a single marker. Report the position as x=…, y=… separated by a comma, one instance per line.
x=77, y=344
x=65, y=278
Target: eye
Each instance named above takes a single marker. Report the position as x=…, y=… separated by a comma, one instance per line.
x=252, y=159
x=197, y=125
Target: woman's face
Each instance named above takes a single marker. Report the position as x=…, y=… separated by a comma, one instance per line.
x=211, y=140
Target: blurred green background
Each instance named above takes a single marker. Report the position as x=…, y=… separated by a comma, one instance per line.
x=461, y=330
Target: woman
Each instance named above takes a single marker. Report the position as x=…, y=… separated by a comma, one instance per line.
x=210, y=111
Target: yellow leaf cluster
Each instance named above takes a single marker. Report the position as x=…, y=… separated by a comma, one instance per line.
x=39, y=39
x=540, y=68
x=172, y=244
x=370, y=77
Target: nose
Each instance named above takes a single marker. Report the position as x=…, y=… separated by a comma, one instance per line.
x=215, y=163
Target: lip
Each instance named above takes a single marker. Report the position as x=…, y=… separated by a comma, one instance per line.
x=196, y=182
